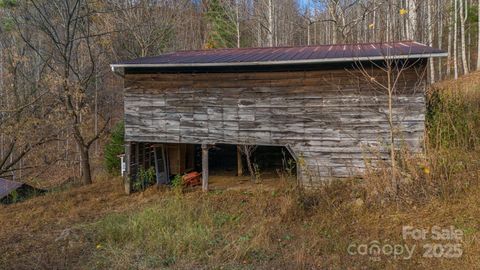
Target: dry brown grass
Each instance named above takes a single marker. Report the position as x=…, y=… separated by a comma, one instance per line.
x=255, y=228
x=28, y=230
x=450, y=163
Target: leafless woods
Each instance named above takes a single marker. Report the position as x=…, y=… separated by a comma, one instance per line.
x=57, y=95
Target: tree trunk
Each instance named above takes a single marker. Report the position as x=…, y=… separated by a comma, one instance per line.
x=85, y=165
x=455, y=34
x=463, y=18
x=247, y=151
x=308, y=22
x=412, y=19
x=440, y=37
x=478, y=42
x=449, y=43
x=237, y=22
x=387, y=28
x=259, y=34
x=308, y=32
x=430, y=39
x=374, y=21
x=270, y=23
x=250, y=168
x=391, y=93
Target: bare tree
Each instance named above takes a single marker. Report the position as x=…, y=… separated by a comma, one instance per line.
x=247, y=151
x=66, y=27
x=145, y=28
x=22, y=107
x=393, y=70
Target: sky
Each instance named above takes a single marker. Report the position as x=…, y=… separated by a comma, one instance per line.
x=303, y=3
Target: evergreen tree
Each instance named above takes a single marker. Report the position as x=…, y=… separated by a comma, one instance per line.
x=114, y=148
x=222, y=30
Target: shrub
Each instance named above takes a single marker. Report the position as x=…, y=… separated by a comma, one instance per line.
x=114, y=148
x=453, y=118
x=144, y=179
x=177, y=182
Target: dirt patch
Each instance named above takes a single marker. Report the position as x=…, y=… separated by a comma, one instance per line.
x=228, y=182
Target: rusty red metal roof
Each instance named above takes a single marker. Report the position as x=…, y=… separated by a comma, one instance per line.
x=7, y=186
x=287, y=55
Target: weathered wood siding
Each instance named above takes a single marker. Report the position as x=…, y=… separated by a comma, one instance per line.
x=330, y=118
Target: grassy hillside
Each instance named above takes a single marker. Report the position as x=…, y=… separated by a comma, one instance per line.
x=97, y=227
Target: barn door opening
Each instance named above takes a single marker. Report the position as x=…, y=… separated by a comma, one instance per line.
x=228, y=165
x=271, y=162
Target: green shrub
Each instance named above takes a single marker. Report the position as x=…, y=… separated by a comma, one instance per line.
x=8, y=3
x=177, y=182
x=144, y=179
x=114, y=148
x=453, y=118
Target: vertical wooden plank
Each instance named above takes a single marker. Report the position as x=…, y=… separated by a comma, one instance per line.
x=126, y=178
x=239, y=162
x=204, y=167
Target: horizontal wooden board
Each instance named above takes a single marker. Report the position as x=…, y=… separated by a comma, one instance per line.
x=331, y=119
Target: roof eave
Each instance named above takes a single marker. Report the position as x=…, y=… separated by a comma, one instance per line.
x=288, y=62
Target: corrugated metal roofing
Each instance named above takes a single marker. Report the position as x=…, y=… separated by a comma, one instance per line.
x=287, y=55
x=7, y=186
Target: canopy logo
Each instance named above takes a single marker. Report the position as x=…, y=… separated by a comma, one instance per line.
x=436, y=242
x=375, y=250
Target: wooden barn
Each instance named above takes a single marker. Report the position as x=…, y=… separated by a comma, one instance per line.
x=327, y=105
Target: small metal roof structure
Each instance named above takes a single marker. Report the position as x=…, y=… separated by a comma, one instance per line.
x=286, y=55
x=8, y=186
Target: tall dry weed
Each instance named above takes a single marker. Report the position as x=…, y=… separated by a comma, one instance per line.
x=450, y=163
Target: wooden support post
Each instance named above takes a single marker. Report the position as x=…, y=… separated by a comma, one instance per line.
x=239, y=162
x=204, y=167
x=127, y=180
